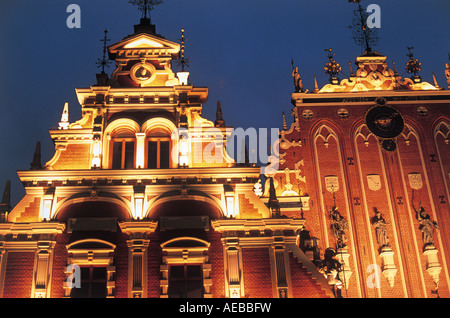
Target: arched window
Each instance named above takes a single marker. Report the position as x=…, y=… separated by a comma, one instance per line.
x=123, y=145
x=158, y=144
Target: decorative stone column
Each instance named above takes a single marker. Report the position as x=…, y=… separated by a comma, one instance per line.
x=280, y=267
x=388, y=266
x=433, y=266
x=233, y=270
x=343, y=256
x=137, y=255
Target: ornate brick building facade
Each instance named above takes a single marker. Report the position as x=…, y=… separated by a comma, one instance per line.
x=141, y=199
x=368, y=158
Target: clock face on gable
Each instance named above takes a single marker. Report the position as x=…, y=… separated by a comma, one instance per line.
x=143, y=73
x=384, y=121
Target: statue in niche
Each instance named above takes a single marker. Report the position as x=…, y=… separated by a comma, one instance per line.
x=380, y=228
x=338, y=227
x=427, y=226
x=330, y=267
x=297, y=80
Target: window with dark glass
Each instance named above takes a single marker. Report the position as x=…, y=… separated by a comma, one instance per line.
x=92, y=283
x=158, y=153
x=123, y=154
x=185, y=281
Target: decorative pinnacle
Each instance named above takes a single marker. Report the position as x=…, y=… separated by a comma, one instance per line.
x=332, y=68
x=146, y=6
x=184, y=61
x=413, y=66
x=104, y=62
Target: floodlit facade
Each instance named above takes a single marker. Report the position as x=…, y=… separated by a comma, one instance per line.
x=367, y=161
x=141, y=198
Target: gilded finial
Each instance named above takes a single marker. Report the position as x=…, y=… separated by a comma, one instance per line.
x=184, y=61
x=413, y=66
x=332, y=68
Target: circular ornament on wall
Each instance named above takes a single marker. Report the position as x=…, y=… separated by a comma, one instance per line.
x=384, y=121
x=389, y=145
x=307, y=114
x=143, y=73
x=342, y=113
x=422, y=111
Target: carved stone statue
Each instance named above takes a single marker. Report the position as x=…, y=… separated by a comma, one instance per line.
x=427, y=226
x=338, y=227
x=380, y=228
x=297, y=80
x=330, y=267
x=447, y=73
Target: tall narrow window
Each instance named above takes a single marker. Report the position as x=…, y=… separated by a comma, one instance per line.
x=185, y=281
x=158, y=153
x=93, y=283
x=123, y=154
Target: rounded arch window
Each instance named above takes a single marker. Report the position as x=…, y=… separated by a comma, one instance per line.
x=158, y=145
x=123, y=146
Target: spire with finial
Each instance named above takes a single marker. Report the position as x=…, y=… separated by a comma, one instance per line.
x=102, y=78
x=284, y=122
x=316, y=86
x=362, y=34
x=183, y=62
x=5, y=205
x=435, y=82
x=219, y=116
x=351, y=70
x=413, y=66
x=64, y=123
x=395, y=69
x=273, y=203
x=36, y=163
x=332, y=68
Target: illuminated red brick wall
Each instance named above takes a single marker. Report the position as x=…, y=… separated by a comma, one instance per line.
x=342, y=147
x=257, y=272
x=19, y=275
x=59, y=266
x=121, y=263
x=215, y=256
x=154, y=262
x=303, y=285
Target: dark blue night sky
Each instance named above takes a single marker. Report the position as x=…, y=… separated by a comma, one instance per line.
x=240, y=49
